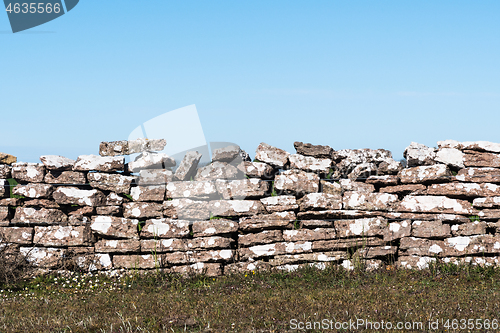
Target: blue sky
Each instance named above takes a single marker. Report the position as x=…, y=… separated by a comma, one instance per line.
x=349, y=74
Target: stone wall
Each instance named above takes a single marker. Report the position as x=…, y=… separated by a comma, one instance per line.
x=282, y=210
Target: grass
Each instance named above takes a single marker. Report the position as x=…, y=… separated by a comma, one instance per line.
x=255, y=301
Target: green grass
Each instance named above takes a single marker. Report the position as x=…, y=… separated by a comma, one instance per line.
x=260, y=301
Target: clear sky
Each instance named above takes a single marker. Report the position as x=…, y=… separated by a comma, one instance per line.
x=349, y=74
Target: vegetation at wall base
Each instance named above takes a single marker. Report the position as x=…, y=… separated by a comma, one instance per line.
x=245, y=302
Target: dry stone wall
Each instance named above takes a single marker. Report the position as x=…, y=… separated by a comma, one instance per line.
x=315, y=207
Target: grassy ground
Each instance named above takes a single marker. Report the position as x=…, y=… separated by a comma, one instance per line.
x=259, y=302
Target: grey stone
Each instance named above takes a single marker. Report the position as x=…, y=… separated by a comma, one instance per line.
x=5, y=171
x=187, y=209
x=310, y=164
x=124, y=147
x=112, y=226
x=148, y=193
x=154, y=177
x=280, y=203
x=242, y=189
x=225, y=154
x=65, y=177
x=369, y=201
x=148, y=160
x=165, y=228
x=320, y=201
x=189, y=164
x=257, y=170
x=435, y=204
x=33, y=190
x=236, y=208
x=425, y=174
x=58, y=163
x=451, y=157
x=417, y=154
x=317, y=151
x=28, y=172
x=76, y=196
x=374, y=226
x=297, y=182
x=271, y=155
x=217, y=170
x=191, y=189
x=98, y=163
x=110, y=182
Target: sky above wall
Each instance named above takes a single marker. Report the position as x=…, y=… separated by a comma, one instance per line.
x=349, y=74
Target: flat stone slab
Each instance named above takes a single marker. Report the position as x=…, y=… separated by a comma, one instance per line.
x=136, y=261
x=271, y=155
x=154, y=177
x=148, y=193
x=418, y=154
x=56, y=162
x=189, y=165
x=28, y=172
x=296, y=182
x=139, y=210
x=59, y=236
x=226, y=154
x=276, y=220
x=425, y=174
x=317, y=151
x=435, y=204
x=112, y=226
x=99, y=163
x=309, y=234
x=280, y=203
x=374, y=226
x=7, y=159
x=117, y=245
x=44, y=257
x=476, y=159
x=263, y=237
x=310, y=164
x=65, y=178
x=257, y=170
x=468, y=190
x=125, y=147
x=41, y=216
x=5, y=171
x=236, y=208
x=34, y=191
x=214, y=227
x=149, y=160
x=242, y=189
x=217, y=170
x=165, y=228
x=187, y=209
x=191, y=189
x=110, y=182
x=320, y=201
x=369, y=201
x=76, y=196
x=16, y=235
x=479, y=175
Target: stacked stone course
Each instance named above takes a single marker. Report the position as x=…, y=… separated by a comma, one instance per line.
x=315, y=207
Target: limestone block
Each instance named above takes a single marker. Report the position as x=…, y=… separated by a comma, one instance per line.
x=332, y=188
x=187, y=209
x=479, y=175
x=110, y=182
x=112, y=226
x=99, y=163
x=310, y=164
x=430, y=229
x=214, y=227
x=5, y=171
x=236, y=208
x=45, y=257
x=369, y=201
x=117, y=245
x=491, y=202
x=376, y=252
x=435, y=204
x=139, y=210
x=205, y=243
x=65, y=177
x=468, y=190
x=451, y=157
x=191, y=189
x=280, y=203
x=217, y=170
x=242, y=189
x=308, y=234
x=163, y=245
x=418, y=154
x=148, y=160
x=374, y=226
x=124, y=147
x=397, y=230
x=154, y=177
x=109, y=210
x=317, y=151
x=136, y=261
x=207, y=269
x=271, y=155
x=58, y=163
x=16, y=235
x=346, y=243
x=414, y=189
x=468, y=229
x=7, y=159
x=148, y=193
x=263, y=237
x=350, y=185
x=257, y=170
x=30, y=215
x=476, y=159
x=276, y=220
x=387, y=180
x=320, y=201
x=76, y=196
x=165, y=228
x=297, y=182
x=189, y=165
x=425, y=174
x=57, y=236
x=33, y=190
x=28, y=172
x=225, y=154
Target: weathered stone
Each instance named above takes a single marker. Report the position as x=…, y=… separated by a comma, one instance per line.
x=110, y=182
x=272, y=221
x=308, y=234
x=75, y=196
x=413, y=189
x=425, y=174
x=397, y=230
x=376, y=252
x=470, y=190
x=29, y=215
x=114, y=199
x=263, y=237
x=430, y=229
x=257, y=170
x=225, y=154
x=418, y=154
x=415, y=261
x=4, y=188
x=233, y=208
x=45, y=203
x=33, y=190
x=59, y=236
x=363, y=171
x=214, y=227
x=148, y=193
x=186, y=209
x=86, y=210
x=331, y=188
x=4, y=215
x=165, y=228
x=317, y=151
x=280, y=203
x=491, y=202
x=7, y=159
x=10, y=202
x=451, y=157
x=313, y=224
x=16, y=235
x=452, y=218
x=308, y=257
x=260, y=251
x=194, y=189
x=136, y=261
x=350, y=185
x=421, y=247
x=480, y=146
x=248, y=266
x=28, y=172
x=204, y=243
x=389, y=167
x=478, y=244
x=336, y=214
x=387, y=180
x=297, y=182
x=369, y=201
x=346, y=243
x=188, y=166
x=489, y=214
x=479, y=175
x=147, y=160
x=271, y=155
x=109, y=210
x=435, y=204
x=86, y=259
x=45, y=257
x=113, y=226
x=217, y=170
x=357, y=156
x=141, y=210
x=374, y=226
x=154, y=177
x=65, y=177
x=117, y=245
x=310, y=164
x=98, y=163
x=475, y=159
x=207, y=269
x=163, y=245
x=320, y=201
x=198, y=256
x=124, y=147
x=242, y=189
x=5, y=171
x=468, y=229
x=55, y=162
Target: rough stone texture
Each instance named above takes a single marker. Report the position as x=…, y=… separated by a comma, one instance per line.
x=297, y=182
x=331, y=188
x=257, y=170
x=7, y=159
x=147, y=160
x=188, y=166
x=263, y=237
x=214, y=227
x=65, y=177
x=389, y=167
x=76, y=196
x=491, y=202
x=124, y=147
x=475, y=159
x=45, y=203
x=187, y=209
x=320, y=201
x=414, y=189
x=246, y=266
x=242, y=189
x=308, y=234
x=418, y=154
x=266, y=250
x=397, y=230
x=11, y=202
x=112, y=226
x=29, y=215
x=470, y=190
x=165, y=228
x=350, y=185
x=317, y=151
x=236, y=208
x=450, y=156
x=33, y=190
x=46, y=257
x=114, y=199
x=60, y=236
x=348, y=159
x=376, y=252
x=387, y=180
x=369, y=201
x=310, y=164
x=280, y=203
x=479, y=175
x=308, y=257
x=421, y=247
x=148, y=193
x=478, y=244
x=5, y=171
x=217, y=170
x=435, y=204
x=425, y=174
x=489, y=214
x=58, y=163
x=4, y=215
x=468, y=229
x=109, y=210
x=117, y=245
x=98, y=163
x=28, y=172
x=194, y=189
x=362, y=171
x=136, y=261
x=4, y=188
x=154, y=177
x=415, y=262
x=110, y=182
x=16, y=235
x=361, y=227
x=337, y=214
x=197, y=257
x=277, y=220
x=480, y=146
x=271, y=155
x=430, y=229
x=207, y=269
x=163, y=245
x=225, y=154
x=312, y=224
x=139, y=210
x=342, y=244
x=205, y=243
